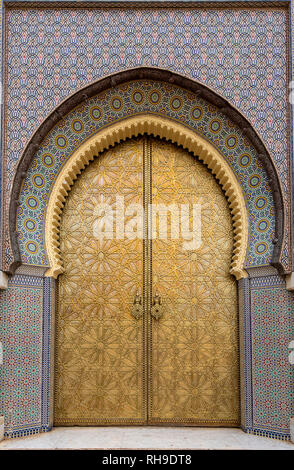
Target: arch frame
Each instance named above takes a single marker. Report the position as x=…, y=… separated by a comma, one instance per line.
x=154, y=74
x=158, y=127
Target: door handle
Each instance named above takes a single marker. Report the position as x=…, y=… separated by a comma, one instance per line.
x=156, y=309
x=137, y=309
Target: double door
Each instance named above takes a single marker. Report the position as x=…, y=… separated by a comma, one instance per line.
x=146, y=322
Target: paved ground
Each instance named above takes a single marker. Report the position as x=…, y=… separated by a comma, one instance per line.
x=144, y=438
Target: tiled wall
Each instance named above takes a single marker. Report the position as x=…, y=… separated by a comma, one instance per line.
x=240, y=53
x=25, y=313
x=131, y=99
x=268, y=380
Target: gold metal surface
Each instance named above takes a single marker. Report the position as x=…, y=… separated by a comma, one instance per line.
x=116, y=366
x=100, y=361
x=194, y=354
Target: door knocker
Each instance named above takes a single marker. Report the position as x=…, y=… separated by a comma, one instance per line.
x=156, y=309
x=137, y=309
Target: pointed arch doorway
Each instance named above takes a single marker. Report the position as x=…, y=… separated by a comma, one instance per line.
x=147, y=329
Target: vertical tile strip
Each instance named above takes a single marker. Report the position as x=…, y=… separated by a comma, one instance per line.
x=245, y=353
x=46, y=354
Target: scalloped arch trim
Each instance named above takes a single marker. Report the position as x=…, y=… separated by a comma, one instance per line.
x=164, y=128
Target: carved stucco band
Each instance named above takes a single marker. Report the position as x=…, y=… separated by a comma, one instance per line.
x=163, y=128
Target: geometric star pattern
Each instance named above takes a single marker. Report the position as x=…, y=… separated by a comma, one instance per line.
x=195, y=359
x=112, y=368
x=135, y=98
x=99, y=350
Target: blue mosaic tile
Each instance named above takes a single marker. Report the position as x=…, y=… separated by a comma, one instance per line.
x=240, y=53
x=272, y=329
x=137, y=98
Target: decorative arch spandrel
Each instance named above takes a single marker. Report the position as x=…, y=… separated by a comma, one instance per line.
x=150, y=97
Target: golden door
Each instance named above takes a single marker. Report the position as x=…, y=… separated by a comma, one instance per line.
x=147, y=326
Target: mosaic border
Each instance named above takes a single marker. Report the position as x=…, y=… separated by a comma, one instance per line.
x=13, y=430
x=270, y=434
x=245, y=353
x=271, y=286
x=1, y=109
x=118, y=79
x=46, y=286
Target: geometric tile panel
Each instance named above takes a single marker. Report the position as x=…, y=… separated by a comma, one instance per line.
x=130, y=99
x=26, y=334
x=272, y=329
x=230, y=50
x=24, y=375
x=240, y=53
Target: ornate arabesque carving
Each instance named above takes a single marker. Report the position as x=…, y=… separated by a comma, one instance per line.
x=163, y=128
x=99, y=377
x=166, y=360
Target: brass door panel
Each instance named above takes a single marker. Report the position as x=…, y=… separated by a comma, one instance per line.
x=171, y=358
x=194, y=377
x=100, y=360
